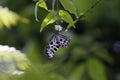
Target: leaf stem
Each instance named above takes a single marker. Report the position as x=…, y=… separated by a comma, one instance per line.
x=53, y=5
x=93, y=6
x=36, y=8
x=87, y=11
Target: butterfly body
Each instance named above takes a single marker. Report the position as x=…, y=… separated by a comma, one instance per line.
x=57, y=40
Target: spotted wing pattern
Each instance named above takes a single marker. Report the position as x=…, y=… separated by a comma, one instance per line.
x=63, y=40
x=57, y=40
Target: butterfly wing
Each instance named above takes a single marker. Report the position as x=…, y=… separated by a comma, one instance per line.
x=63, y=40
x=56, y=41
x=52, y=46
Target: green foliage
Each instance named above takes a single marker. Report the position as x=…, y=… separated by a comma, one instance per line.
x=96, y=69
x=101, y=53
x=42, y=4
x=50, y=18
x=78, y=72
x=69, y=5
x=60, y=14
x=81, y=5
x=67, y=18
x=9, y=18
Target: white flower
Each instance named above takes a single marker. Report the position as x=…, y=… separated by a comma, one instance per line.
x=12, y=61
x=10, y=49
x=18, y=72
x=58, y=28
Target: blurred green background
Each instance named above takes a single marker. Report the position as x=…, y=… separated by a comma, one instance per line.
x=91, y=54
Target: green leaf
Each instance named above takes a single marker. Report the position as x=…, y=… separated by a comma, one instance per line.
x=54, y=76
x=50, y=18
x=9, y=18
x=66, y=17
x=83, y=5
x=42, y=4
x=68, y=5
x=78, y=72
x=101, y=53
x=105, y=56
x=96, y=69
x=1, y=25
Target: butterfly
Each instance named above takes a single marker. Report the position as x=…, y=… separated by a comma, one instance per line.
x=56, y=41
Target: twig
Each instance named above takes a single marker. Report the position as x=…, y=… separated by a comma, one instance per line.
x=93, y=6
